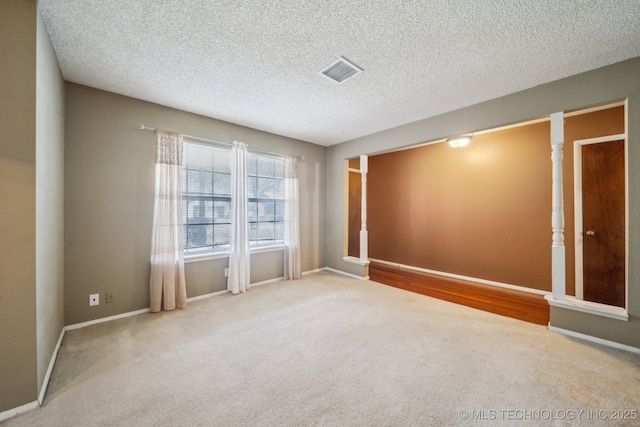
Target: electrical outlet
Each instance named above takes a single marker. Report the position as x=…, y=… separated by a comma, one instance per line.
x=94, y=299
x=111, y=296
x=226, y=272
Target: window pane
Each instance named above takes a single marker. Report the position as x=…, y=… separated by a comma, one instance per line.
x=252, y=165
x=251, y=187
x=279, y=213
x=222, y=234
x=199, y=211
x=185, y=216
x=222, y=184
x=222, y=211
x=278, y=189
x=221, y=161
x=265, y=211
x=265, y=188
x=199, y=182
x=197, y=157
x=279, y=169
x=266, y=231
x=199, y=236
x=252, y=208
x=266, y=167
x=280, y=231
x=207, y=192
x=253, y=232
x=185, y=243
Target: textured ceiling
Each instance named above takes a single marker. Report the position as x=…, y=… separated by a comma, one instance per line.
x=256, y=63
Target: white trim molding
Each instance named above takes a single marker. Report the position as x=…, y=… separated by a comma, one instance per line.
x=106, y=319
x=572, y=303
x=206, y=256
x=52, y=362
x=317, y=270
x=354, y=260
x=205, y=296
x=364, y=234
x=266, y=282
x=10, y=413
x=558, y=264
x=596, y=340
x=577, y=191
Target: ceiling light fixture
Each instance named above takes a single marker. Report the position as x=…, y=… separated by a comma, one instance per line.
x=459, y=141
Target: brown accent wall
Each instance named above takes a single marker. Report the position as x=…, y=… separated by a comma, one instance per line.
x=482, y=211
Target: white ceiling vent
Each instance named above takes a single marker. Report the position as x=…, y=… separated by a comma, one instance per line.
x=341, y=70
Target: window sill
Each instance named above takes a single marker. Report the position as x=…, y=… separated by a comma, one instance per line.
x=205, y=256
x=261, y=249
x=218, y=255
x=354, y=260
x=572, y=303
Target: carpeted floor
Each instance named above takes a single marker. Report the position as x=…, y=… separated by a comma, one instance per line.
x=328, y=350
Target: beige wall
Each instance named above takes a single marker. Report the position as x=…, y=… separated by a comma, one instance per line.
x=615, y=82
x=49, y=201
x=18, y=383
x=109, y=174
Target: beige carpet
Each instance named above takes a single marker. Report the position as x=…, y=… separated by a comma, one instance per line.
x=328, y=350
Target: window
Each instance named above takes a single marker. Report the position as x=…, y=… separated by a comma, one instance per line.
x=206, y=199
x=265, y=180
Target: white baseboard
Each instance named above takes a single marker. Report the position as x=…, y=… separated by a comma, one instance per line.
x=266, y=282
x=106, y=319
x=317, y=270
x=19, y=410
x=593, y=339
x=212, y=294
x=47, y=376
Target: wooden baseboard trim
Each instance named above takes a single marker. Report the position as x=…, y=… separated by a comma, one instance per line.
x=516, y=304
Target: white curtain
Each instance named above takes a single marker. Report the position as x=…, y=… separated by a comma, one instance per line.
x=292, y=220
x=167, y=283
x=238, y=280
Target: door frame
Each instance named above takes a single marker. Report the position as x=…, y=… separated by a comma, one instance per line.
x=577, y=200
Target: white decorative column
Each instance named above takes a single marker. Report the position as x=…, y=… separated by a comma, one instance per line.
x=364, y=236
x=557, y=209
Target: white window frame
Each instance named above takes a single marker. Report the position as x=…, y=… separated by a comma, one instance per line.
x=210, y=253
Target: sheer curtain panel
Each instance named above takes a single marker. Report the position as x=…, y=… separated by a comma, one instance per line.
x=167, y=283
x=238, y=280
x=291, y=220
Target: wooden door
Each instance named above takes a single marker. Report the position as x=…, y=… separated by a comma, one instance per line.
x=603, y=220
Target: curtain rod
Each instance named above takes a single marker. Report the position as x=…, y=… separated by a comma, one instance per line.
x=197, y=138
